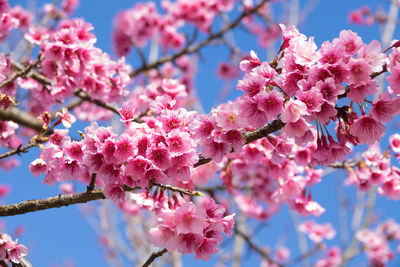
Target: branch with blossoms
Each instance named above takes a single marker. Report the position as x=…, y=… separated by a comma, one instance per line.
x=307, y=108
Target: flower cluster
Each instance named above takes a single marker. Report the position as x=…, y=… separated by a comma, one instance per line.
x=376, y=242
x=11, y=250
x=12, y=18
x=192, y=229
x=134, y=27
x=72, y=63
x=317, y=232
x=264, y=172
x=375, y=169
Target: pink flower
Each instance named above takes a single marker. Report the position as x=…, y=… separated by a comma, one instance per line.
x=228, y=118
x=330, y=90
x=189, y=243
x=394, y=80
x=136, y=167
x=385, y=107
x=358, y=93
x=128, y=111
x=160, y=157
x=297, y=128
x=124, y=148
x=250, y=109
x=37, y=167
x=227, y=71
x=252, y=83
x=67, y=119
x=327, y=111
x=162, y=236
x=206, y=249
x=350, y=42
x=189, y=219
x=271, y=103
x=317, y=232
x=250, y=62
x=214, y=149
x=367, y=129
x=373, y=54
x=360, y=71
x=16, y=251
x=74, y=150
x=394, y=141
x=114, y=191
x=179, y=142
x=304, y=51
x=203, y=126
x=312, y=98
x=4, y=190
x=294, y=110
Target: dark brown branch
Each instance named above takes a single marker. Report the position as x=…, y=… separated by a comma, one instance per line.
x=274, y=126
x=48, y=203
x=195, y=48
x=154, y=256
x=92, y=183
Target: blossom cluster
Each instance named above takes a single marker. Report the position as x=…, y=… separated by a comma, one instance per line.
x=71, y=62
x=375, y=169
x=11, y=250
x=12, y=18
x=136, y=26
x=317, y=232
x=192, y=229
x=264, y=172
x=376, y=242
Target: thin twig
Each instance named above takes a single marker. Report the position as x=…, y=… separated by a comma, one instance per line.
x=20, y=149
x=21, y=117
x=195, y=48
x=21, y=72
x=97, y=102
x=256, y=248
x=92, y=183
x=179, y=190
x=154, y=256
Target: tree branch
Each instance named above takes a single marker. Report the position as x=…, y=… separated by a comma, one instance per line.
x=21, y=72
x=21, y=117
x=195, y=48
x=48, y=203
x=256, y=248
x=154, y=256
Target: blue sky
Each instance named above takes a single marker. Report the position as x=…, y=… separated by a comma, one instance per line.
x=54, y=236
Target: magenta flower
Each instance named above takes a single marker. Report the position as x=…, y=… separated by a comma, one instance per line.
x=189, y=219
x=385, y=107
x=294, y=110
x=128, y=111
x=214, y=149
x=271, y=103
x=367, y=129
x=163, y=236
x=124, y=148
x=67, y=119
x=206, y=249
x=189, y=243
